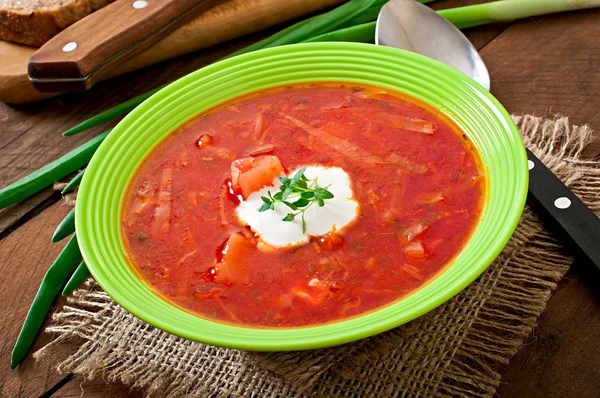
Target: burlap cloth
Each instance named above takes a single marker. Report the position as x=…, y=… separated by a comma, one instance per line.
x=455, y=350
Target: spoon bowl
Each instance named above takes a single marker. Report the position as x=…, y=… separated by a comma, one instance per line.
x=412, y=26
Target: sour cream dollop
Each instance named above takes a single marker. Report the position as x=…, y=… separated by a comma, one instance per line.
x=338, y=211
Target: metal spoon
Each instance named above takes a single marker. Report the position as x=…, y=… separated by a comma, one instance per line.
x=412, y=26
x=409, y=25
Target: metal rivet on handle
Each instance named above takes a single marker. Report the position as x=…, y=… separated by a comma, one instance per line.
x=70, y=46
x=562, y=203
x=530, y=164
x=139, y=4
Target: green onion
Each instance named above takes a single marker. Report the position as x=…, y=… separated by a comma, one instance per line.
x=65, y=228
x=266, y=43
x=333, y=20
x=364, y=33
x=112, y=113
x=55, y=278
x=80, y=274
x=73, y=183
x=49, y=174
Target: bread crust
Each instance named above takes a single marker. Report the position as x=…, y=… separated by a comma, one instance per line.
x=36, y=27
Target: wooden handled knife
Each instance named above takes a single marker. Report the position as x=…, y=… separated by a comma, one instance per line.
x=77, y=57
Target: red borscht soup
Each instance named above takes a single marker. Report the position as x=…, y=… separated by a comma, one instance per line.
x=302, y=205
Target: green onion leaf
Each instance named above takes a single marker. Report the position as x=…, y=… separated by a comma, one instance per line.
x=65, y=228
x=80, y=274
x=112, y=113
x=73, y=183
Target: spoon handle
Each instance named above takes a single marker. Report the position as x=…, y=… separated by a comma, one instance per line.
x=563, y=212
x=509, y=10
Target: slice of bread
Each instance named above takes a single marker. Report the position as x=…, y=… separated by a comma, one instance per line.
x=34, y=22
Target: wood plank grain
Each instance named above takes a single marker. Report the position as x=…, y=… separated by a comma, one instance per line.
x=13, y=216
x=96, y=388
x=549, y=65
x=560, y=358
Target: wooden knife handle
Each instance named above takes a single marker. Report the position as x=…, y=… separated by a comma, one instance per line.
x=72, y=60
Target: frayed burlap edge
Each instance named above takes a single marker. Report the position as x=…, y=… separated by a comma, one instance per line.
x=455, y=350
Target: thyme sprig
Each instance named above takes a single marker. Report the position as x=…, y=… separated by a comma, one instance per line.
x=299, y=194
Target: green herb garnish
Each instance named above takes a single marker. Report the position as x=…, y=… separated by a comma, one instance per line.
x=299, y=194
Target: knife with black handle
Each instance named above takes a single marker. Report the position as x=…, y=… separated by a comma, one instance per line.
x=563, y=212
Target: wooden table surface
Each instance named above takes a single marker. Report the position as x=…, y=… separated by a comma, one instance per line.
x=544, y=65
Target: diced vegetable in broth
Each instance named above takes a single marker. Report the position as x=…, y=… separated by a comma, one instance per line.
x=251, y=174
x=415, y=250
x=232, y=269
x=416, y=181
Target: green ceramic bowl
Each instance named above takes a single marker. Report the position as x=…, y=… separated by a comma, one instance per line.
x=472, y=108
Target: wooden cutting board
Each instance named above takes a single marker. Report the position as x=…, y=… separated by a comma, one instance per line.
x=230, y=20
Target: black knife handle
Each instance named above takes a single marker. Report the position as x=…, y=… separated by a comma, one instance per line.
x=563, y=211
